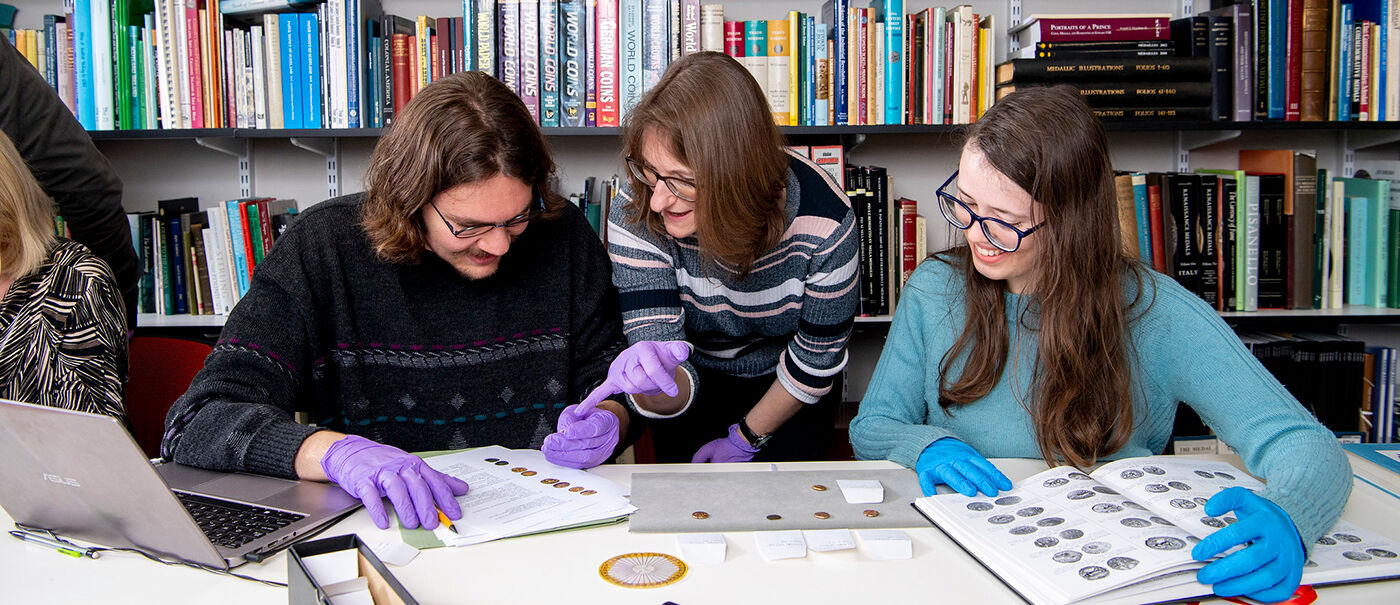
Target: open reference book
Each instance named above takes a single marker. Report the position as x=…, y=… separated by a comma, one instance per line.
x=1124, y=532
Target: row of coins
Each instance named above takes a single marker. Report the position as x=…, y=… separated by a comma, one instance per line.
x=525, y=472
x=869, y=512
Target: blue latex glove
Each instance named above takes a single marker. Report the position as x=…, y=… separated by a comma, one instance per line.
x=369, y=471
x=1269, y=567
x=955, y=463
x=726, y=449
x=645, y=368
x=587, y=437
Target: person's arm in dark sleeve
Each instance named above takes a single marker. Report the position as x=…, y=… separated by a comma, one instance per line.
x=69, y=167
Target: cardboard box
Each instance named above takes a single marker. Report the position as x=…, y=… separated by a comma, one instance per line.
x=302, y=589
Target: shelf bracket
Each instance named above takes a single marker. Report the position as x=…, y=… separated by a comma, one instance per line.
x=852, y=141
x=240, y=149
x=1188, y=8
x=1187, y=140
x=328, y=148
x=1013, y=20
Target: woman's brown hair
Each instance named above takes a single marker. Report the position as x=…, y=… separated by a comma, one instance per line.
x=712, y=115
x=464, y=128
x=1048, y=142
x=26, y=215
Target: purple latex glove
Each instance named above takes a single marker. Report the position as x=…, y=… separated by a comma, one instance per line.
x=726, y=449
x=369, y=471
x=645, y=368
x=587, y=437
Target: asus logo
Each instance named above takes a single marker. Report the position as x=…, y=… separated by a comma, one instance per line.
x=69, y=481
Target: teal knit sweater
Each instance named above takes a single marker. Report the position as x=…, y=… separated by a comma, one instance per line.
x=1184, y=352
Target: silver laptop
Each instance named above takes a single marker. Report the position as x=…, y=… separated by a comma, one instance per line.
x=81, y=475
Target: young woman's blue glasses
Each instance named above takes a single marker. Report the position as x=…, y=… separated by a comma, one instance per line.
x=999, y=233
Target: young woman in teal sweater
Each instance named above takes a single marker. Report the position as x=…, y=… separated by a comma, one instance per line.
x=1040, y=339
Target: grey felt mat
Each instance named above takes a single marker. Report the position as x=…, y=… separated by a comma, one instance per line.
x=742, y=501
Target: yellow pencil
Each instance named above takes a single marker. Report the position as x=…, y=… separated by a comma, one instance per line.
x=446, y=522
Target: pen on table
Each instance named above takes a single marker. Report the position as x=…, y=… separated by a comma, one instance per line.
x=77, y=552
x=446, y=522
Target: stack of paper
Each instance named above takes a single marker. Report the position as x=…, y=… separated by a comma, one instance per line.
x=516, y=492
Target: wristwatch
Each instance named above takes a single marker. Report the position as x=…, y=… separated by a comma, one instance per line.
x=754, y=439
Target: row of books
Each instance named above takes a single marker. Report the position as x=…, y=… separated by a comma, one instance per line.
x=200, y=262
x=1277, y=233
x=1266, y=60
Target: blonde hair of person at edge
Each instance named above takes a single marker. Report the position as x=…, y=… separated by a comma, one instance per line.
x=1038, y=338
x=62, y=323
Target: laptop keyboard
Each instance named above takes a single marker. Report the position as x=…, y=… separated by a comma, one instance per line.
x=233, y=524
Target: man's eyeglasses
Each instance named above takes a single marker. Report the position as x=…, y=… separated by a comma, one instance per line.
x=681, y=188
x=514, y=225
x=999, y=233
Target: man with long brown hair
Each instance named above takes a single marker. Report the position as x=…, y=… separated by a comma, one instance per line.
x=1038, y=338
x=458, y=302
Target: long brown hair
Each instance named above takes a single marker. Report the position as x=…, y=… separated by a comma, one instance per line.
x=1048, y=143
x=464, y=128
x=711, y=113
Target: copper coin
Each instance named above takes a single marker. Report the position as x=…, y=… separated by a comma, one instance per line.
x=518, y=469
x=548, y=481
x=501, y=463
x=821, y=515
x=870, y=512
x=587, y=492
x=576, y=488
x=562, y=484
x=700, y=514
x=774, y=517
x=528, y=474
x=492, y=459
x=818, y=488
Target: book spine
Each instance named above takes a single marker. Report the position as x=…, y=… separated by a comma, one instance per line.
x=607, y=42
x=571, y=97
x=485, y=36
x=834, y=15
x=1096, y=69
x=894, y=68
x=779, y=64
x=102, y=68
x=194, y=65
x=655, y=53
x=530, y=57
x=1222, y=68
x=1293, y=61
x=549, y=63
x=1229, y=208
x=259, y=77
x=690, y=27
x=590, y=63
x=712, y=27
x=508, y=45
x=630, y=51
x=177, y=266
x=1357, y=251
x=1071, y=29
x=1207, y=232
x=822, y=76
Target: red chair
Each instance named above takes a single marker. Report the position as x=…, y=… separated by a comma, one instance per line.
x=161, y=371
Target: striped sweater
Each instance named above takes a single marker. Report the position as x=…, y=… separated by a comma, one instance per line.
x=793, y=312
x=411, y=355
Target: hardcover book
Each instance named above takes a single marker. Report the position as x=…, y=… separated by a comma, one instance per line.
x=1092, y=27
x=1124, y=532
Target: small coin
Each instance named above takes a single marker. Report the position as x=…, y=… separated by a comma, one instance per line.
x=492, y=459
x=774, y=517
x=501, y=463
x=870, y=512
x=528, y=474
x=561, y=484
x=818, y=488
x=518, y=469
x=576, y=488
x=549, y=481
x=700, y=514
x=587, y=492
x=821, y=515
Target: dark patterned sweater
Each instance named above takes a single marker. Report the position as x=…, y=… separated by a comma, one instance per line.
x=414, y=356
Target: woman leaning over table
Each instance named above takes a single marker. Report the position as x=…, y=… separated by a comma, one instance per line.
x=735, y=261
x=62, y=323
x=1038, y=338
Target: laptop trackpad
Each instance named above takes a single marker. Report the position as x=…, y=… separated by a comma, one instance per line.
x=244, y=487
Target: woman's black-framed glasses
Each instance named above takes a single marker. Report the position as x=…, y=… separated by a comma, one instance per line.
x=514, y=225
x=999, y=233
x=681, y=188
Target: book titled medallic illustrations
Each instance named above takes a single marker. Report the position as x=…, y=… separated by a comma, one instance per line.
x=1125, y=530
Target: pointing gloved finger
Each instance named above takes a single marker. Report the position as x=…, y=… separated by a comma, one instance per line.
x=679, y=351
x=422, y=497
x=369, y=494
x=596, y=397
x=394, y=487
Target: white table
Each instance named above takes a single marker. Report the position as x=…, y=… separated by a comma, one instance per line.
x=563, y=567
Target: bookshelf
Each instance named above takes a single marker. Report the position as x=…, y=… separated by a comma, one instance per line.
x=309, y=165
